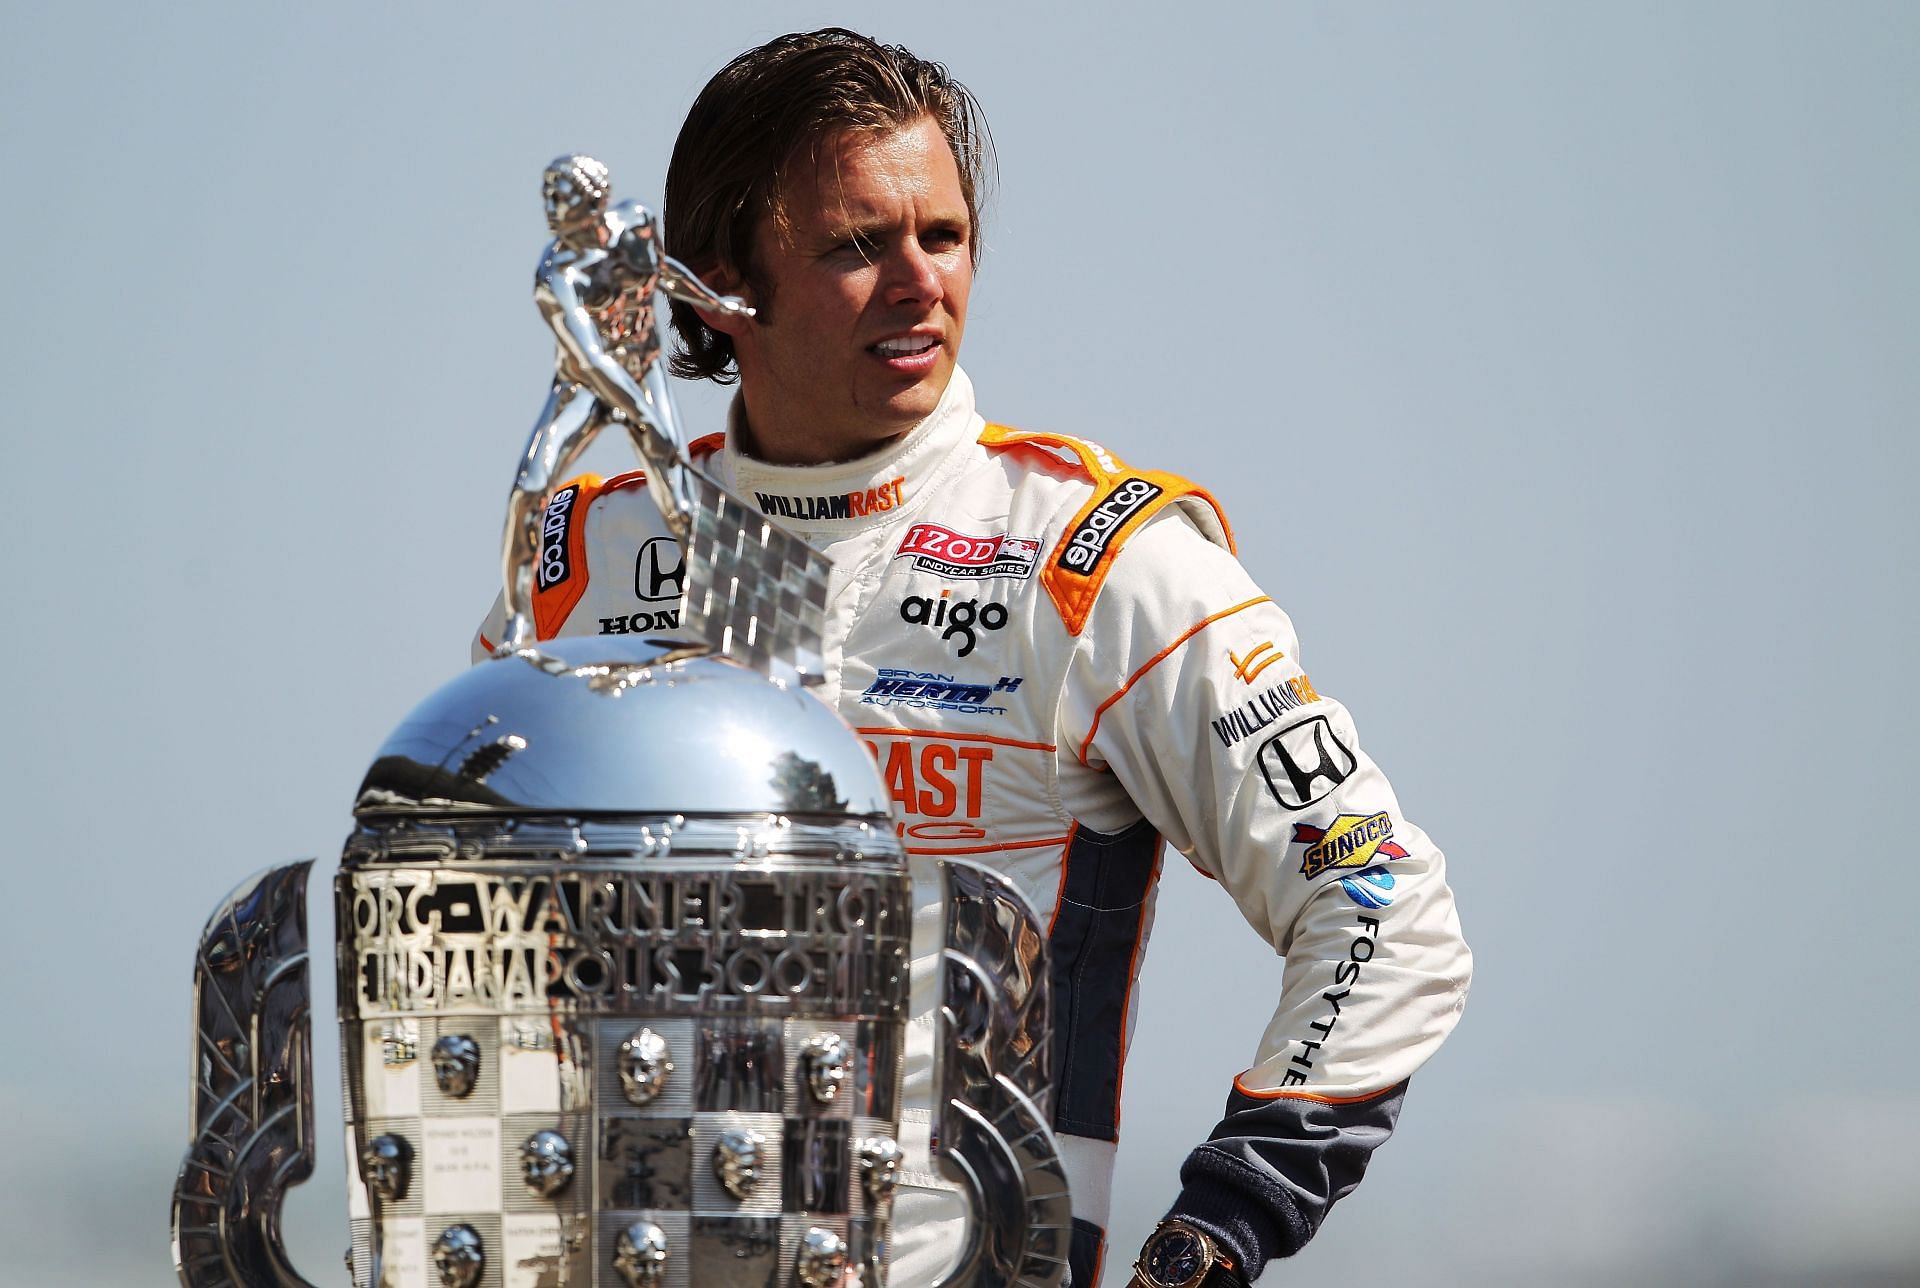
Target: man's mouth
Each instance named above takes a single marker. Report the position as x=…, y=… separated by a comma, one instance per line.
x=906, y=346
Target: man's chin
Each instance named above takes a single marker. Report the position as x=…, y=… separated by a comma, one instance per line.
x=911, y=404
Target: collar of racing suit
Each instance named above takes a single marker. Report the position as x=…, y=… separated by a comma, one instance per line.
x=826, y=502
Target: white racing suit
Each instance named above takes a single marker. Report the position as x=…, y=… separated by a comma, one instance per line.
x=1057, y=661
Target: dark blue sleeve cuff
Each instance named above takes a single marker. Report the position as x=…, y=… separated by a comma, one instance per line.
x=1267, y=1176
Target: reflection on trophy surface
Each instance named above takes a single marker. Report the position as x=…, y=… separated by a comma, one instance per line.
x=641, y=905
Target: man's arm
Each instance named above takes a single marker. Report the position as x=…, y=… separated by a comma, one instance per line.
x=1210, y=723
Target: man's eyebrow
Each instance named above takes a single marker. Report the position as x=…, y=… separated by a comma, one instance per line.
x=853, y=229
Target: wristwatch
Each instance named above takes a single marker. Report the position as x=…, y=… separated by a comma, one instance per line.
x=1176, y=1255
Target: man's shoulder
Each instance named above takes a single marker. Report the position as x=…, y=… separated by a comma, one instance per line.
x=1103, y=502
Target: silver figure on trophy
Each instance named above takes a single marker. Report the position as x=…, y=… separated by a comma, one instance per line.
x=622, y=932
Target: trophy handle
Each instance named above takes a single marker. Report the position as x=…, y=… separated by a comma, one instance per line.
x=995, y=1140
x=252, y=1116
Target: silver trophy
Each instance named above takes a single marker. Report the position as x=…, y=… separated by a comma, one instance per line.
x=623, y=931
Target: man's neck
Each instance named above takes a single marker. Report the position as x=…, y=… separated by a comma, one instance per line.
x=791, y=447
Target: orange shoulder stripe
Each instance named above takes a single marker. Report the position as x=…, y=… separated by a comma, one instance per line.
x=555, y=600
x=1156, y=660
x=707, y=444
x=1123, y=500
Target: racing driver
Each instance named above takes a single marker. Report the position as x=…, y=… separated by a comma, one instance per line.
x=1054, y=655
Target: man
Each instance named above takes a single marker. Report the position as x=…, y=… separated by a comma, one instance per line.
x=1054, y=656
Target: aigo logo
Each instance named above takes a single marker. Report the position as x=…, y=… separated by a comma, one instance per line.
x=954, y=620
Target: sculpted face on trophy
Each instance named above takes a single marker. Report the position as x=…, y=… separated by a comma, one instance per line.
x=645, y=1066
x=736, y=1161
x=879, y=1168
x=456, y=1065
x=386, y=1164
x=459, y=1256
x=574, y=190
x=822, y=1256
x=640, y=1255
x=827, y=1064
x=546, y=1163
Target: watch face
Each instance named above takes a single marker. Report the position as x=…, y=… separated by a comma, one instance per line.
x=1174, y=1257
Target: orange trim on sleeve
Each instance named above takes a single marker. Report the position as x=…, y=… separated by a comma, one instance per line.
x=888, y=731
x=1245, y=1090
x=992, y=849
x=1155, y=660
x=1060, y=895
x=707, y=444
x=1202, y=871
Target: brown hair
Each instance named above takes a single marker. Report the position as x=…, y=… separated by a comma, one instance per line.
x=766, y=109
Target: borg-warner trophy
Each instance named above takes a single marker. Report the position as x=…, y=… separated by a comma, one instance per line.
x=623, y=931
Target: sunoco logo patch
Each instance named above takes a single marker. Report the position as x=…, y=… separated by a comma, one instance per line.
x=1352, y=842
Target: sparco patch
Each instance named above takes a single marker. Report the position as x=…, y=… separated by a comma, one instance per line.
x=946, y=553
x=555, y=564
x=1088, y=541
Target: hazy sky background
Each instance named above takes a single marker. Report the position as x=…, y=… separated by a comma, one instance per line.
x=1558, y=367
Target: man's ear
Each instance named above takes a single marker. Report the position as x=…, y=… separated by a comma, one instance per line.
x=727, y=280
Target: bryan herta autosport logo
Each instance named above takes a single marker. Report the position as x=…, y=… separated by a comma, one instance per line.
x=958, y=621
x=1353, y=841
x=659, y=577
x=930, y=691
x=946, y=553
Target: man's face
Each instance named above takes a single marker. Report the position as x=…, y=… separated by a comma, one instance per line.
x=865, y=294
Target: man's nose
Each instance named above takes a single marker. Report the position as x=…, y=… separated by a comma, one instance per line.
x=913, y=276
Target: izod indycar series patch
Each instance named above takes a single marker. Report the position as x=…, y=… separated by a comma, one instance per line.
x=940, y=550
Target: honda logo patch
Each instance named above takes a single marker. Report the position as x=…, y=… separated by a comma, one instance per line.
x=1305, y=762
x=660, y=570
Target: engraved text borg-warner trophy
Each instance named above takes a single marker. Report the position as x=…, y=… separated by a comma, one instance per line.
x=622, y=931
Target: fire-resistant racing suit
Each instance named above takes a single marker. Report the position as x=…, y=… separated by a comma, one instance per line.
x=1058, y=662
